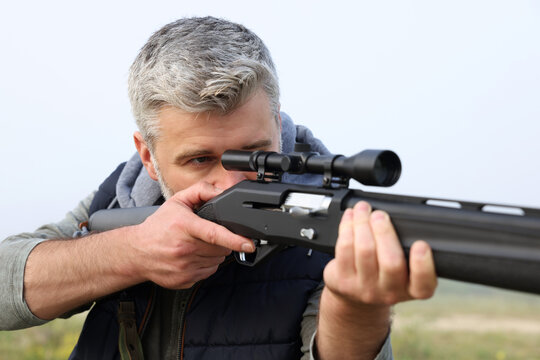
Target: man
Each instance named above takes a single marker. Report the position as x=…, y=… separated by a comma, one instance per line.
x=167, y=288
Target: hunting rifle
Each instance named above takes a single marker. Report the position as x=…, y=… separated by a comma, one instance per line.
x=480, y=243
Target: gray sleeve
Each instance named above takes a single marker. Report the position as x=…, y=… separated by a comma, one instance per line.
x=309, y=330
x=309, y=323
x=14, y=252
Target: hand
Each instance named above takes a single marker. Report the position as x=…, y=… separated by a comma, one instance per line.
x=368, y=274
x=175, y=248
x=370, y=266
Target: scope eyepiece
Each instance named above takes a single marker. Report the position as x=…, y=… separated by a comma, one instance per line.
x=239, y=160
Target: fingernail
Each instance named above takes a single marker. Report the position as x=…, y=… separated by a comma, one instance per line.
x=247, y=247
x=363, y=206
x=378, y=216
x=420, y=250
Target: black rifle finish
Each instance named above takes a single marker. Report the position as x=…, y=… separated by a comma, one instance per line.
x=469, y=244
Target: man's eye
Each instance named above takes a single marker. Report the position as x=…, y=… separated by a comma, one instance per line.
x=200, y=160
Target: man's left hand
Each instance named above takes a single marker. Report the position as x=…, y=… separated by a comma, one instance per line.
x=368, y=274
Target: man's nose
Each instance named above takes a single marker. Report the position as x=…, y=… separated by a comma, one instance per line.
x=225, y=179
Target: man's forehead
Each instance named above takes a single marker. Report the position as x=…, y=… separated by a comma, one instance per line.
x=250, y=127
x=172, y=119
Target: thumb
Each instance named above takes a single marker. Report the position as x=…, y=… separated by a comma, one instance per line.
x=197, y=194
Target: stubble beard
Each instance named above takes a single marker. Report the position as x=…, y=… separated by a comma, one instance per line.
x=166, y=190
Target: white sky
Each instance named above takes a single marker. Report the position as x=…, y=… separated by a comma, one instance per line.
x=452, y=87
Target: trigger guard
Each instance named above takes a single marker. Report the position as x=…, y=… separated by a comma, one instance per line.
x=261, y=253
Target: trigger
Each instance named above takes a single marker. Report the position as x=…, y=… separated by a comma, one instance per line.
x=263, y=250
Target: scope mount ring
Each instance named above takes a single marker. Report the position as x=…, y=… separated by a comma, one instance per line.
x=260, y=164
x=329, y=179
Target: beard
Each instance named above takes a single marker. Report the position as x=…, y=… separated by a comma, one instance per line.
x=166, y=190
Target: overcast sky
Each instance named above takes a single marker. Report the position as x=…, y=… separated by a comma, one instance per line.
x=453, y=88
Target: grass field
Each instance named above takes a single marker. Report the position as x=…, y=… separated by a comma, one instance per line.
x=460, y=322
x=468, y=322
x=54, y=340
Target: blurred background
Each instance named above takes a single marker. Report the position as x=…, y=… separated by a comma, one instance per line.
x=452, y=87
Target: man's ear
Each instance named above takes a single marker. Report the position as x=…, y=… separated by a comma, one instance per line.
x=144, y=153
x=279, y=119
x=280, y=123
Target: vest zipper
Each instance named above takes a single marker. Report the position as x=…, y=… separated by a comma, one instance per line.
x=185, y=307
x=148, y=311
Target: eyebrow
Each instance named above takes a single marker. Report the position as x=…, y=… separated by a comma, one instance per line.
x=205, y=152
x=258, y=144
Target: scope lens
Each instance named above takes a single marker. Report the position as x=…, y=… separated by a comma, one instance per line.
x=387, y=168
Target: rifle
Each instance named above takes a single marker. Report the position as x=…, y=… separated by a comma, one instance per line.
x=480, y=243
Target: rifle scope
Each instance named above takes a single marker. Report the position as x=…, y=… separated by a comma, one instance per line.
x=369, y=167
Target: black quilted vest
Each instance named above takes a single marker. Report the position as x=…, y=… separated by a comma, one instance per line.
x=239, y=312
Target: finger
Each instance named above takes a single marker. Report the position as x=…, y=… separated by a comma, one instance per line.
x=204, y=272
x=364, y=246
x=345, y=243
x=215, y=234
x=423, y=278
x=393, y=273
x=197, y=194
x=208, y=261
x=183, y=265
x=196, y=275
x=205, y=249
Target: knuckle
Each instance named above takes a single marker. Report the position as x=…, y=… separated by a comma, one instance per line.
x=212, y=235
x=365, y=249
x=369, y=296
x=423, y=292
x=213, y=269
x=332, y=273
x=183, y=267
x=344, y=245
x=177, y=225
x=342, y=288
x=185, y=249
x=345, y=226
x=201, y=186
x=393, y=267
x=391, y=298
x=205, y=187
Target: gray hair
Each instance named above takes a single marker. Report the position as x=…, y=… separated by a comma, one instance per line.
x=199, y=65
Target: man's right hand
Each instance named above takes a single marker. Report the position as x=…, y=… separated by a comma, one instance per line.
x=175, y=248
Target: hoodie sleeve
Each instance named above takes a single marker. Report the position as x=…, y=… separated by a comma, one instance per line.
x=14, y=252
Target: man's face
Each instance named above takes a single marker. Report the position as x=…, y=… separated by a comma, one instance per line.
x=190, y=146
